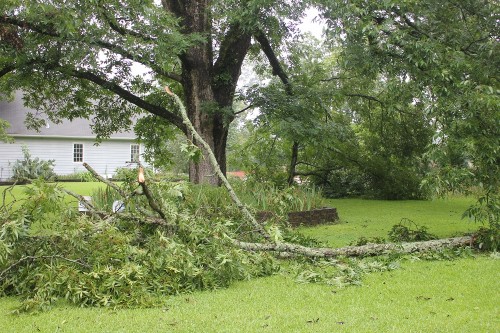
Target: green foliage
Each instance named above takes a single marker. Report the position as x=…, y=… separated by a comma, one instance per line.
x=343, y=182
x=434, y=62
x=343, y=272
x=488, y=239
x=32, y=168
x=405, y=231
x=48, y=252
x=82, y=176
x=125, y=174
x=265, y=196
x=115, y=263
x=409, y=231
x=355, y=137
x=4, y=137
x=430, y=296
x=156, y=135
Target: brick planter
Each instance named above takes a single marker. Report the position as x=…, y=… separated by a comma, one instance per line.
x=305, y=218
x=313, y=217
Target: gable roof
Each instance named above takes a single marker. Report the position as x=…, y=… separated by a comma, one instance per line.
x=15, y=113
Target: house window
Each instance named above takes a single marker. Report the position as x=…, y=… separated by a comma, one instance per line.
x=134, y=153
x=78, y=152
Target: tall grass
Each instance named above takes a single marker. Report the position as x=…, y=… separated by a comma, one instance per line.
x=259, y=196
x=103, y=198
x=268, y=197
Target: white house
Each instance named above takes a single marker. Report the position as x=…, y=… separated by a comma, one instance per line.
x=70, y=144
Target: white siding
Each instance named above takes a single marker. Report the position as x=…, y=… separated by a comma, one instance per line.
x=104, y=158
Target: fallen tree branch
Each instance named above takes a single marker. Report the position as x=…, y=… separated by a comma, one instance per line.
x=105, y=181
x=216, y=167
x=356, y=251
x=151, y=201
x=145, y=219
x=80, y=198
x=289, y=248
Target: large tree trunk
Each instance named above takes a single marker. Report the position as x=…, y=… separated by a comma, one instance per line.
x=209, y=86
x=205, y=113
x=200, y=102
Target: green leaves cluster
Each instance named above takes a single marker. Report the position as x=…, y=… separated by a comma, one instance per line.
x=354, y=136
x=439, y=59
x=4, y=137
x=32, y=168
x=409, y=231
x=49, y=253
x=343, y=272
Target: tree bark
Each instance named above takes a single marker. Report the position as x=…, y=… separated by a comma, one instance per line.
x=293, y=162
x=209, y=86
x=356, y=251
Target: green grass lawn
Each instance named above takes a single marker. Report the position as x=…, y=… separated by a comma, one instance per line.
x=16, y=193
x=421, y=296
x=374, y=218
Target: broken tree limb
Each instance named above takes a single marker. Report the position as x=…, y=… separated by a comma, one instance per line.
x=289, y=248
x=124, y=195
x=356, y=251
x=151, y=201
x=145, y=219
x=80, y=198
x=216, y=167
x=90, y=208
x=105, y=181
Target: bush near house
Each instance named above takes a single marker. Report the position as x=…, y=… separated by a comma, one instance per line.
x=32, y=168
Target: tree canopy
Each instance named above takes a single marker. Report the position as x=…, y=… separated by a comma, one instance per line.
x=107, y=59
x=415, y=82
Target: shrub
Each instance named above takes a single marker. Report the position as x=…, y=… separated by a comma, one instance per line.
x=128, y=174
x=82, y=176
x=488, y=239
x=409, y=231
x=32, y=168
